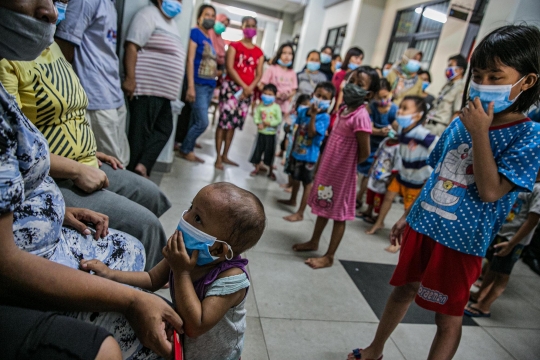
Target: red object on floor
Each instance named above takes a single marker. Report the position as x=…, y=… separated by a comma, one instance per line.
x=178, y=351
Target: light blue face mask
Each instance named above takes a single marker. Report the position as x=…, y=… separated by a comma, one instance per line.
x=267, y=99
x=425, y=85
x=499, y=94
x=405, y=121
x=353, y=66
x=313, y=66
x=286, y=64
x=195, y=239
x=338, y=65
x=412, y=66
x=385, y=72
x=300, y=107
x=322, y=105
x=61, y=8
x=171, y=8
x=325, y=58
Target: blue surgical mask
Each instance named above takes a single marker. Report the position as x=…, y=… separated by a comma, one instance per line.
x=300, y=107
x=405, y=120
x=195, y=239
x=338, y=65
x=425, y=85
x=313, y=66
x=171, y=8
x=286, y=64
x=385, y=72
x=325, y=58
x=412, y=66
x=353, y=66
x=322, y=105
x=267, y=99
x=61, y=8
x=499, y=94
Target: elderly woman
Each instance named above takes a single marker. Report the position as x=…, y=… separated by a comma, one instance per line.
x=403, y=76
x=39, y=259
x=154, y=65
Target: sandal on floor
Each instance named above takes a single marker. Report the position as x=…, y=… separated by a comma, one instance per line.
x=369, y=219
x=357, y=355
x=253, y=173
x=272, y=176
x=478, y=314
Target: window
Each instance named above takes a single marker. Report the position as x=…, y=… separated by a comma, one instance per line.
x=418, y=27
x=335, y=38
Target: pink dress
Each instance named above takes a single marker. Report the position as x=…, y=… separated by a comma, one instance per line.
x=285, y=80
x=334, y=189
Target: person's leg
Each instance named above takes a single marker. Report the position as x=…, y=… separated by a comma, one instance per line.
x=257, y=153
x=396, y=307
x=385, y=208
x=485, y=288
x=140, y=118
x=486, y=299
x=294, y=195
x=107, y=126
x=328, y=259
x=198, y=123
x=161, y=130
x=124, y=215
x=269, y=148
x=220, y=137
x=313, y=243
x=140, y=190
x=299, y=215
x=363, y=189
x=447, y=337
x=239, y=115
x=229, y=134
x=123, y=143
x=109, y=350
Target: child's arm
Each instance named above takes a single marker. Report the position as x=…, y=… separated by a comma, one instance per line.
x=152, y=280
x=275, y=120
x=312, y=129
x=490, y=183
x=198, y=317
x=257, y=118
x=364, y=150
x=505, y=248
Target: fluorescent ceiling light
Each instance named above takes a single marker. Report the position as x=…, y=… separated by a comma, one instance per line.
x=241, y=12
x=434, y=15
x=418, y=10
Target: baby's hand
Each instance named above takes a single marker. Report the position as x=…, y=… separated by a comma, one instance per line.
x=176, y=254
x=99, y=268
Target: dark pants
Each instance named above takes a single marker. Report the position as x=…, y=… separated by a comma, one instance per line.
x=533, y=249
x=266, y=144
x=150, y=127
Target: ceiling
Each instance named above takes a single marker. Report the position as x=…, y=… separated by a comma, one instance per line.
x=289, y=6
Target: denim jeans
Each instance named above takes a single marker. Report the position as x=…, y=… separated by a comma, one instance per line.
x=198, y=121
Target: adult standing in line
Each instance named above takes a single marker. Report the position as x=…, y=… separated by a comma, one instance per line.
x=39, y=258
x=244, y=64
x=87, y=38
x=152, y=41
x=201, y=77
x=353, y=59
x=222, y=23
x=326, y=62
x=403, y=76
x=447, y=105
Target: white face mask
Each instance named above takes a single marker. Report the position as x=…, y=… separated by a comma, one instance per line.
x=22, y=37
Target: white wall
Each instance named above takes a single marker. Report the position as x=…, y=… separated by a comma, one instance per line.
x=505, y=12
x=311, y=27
x=297, y=28
x=367, y=30
x=334, y=16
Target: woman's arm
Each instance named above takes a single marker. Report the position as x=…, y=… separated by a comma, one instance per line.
x=130, y=61
x=233, y=74
x=85, y=177
x=258, y=73
x=362, y=138
x=190, y=71
x=31, y=281
x=152, y=280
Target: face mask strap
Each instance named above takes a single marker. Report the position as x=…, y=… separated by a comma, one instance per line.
x=229, y=249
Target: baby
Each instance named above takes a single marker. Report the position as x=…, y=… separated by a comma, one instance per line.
x=208, y=278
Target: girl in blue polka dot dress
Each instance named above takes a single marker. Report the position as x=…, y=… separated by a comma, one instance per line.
x=482, y=161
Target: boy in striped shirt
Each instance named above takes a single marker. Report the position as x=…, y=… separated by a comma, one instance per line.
x=415, y=145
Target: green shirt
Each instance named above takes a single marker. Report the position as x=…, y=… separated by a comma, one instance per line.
x=270, y=116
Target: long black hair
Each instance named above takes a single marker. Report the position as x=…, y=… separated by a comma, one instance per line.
x=280, y=51
x=375, y=85
x=516, y=46
x=202, y=8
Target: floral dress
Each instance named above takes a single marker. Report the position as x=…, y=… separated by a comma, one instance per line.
x=27, y=191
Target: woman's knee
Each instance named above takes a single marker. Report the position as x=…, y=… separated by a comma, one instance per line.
x=109, y=350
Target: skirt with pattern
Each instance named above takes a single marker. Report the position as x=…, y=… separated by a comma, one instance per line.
x=232, y=112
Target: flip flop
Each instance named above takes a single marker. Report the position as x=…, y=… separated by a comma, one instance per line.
x=357, y=355
x=253, y=173
x=272, y=177
x=474, y=315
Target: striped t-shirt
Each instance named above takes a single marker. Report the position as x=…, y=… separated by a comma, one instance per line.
x=161, y=60
x=415, y=147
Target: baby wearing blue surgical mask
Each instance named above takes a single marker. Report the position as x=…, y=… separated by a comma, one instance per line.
x=208, y=278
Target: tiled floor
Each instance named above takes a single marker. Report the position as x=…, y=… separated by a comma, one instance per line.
x=298, y=313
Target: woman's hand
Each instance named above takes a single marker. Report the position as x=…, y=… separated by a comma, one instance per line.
x=191, y=94
x=90, y=179
x=176, y=254
x=108, y=159
x=99, y=268
x=128, y=86
x=77, y=219
x=248, y=91
x=397, y=231
x=475, y=119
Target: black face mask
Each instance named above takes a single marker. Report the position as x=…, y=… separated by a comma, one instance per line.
x=354, y=95
x=208, y=23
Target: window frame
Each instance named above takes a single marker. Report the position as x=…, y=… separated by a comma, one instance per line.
x=334, y=45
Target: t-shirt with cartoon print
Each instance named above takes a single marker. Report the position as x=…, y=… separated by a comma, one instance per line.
x=387, y=162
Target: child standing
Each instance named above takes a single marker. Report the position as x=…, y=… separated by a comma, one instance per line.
x=267, y=118
x=384, y=169
x=312, y=124
x=208, y=283
x=334, y=191
x=416, y=143
x=506, y=249
x=482, y=161
x=310, y=77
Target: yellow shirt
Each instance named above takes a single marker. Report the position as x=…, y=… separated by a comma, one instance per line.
x=49, y=93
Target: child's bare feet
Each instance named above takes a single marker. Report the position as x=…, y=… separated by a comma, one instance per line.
x=228, y=161
x=393, y=248
x=307, y=246
x=287, y=202
x=288, y=190
x=190, y=157
x=374, y=229
x=320, y=262
x=294, y=217
x=219, y=164
x=262, y=169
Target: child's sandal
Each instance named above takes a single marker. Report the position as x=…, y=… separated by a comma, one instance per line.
x=272, y=176
x=253, y=173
